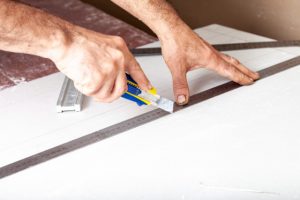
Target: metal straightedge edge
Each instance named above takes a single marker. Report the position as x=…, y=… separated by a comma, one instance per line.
x=225, y=47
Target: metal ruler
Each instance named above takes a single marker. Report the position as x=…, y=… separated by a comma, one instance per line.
x=152, y=115
x=225, y=47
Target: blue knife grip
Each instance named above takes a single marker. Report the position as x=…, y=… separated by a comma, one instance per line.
x=132, y=90
x=132, y=98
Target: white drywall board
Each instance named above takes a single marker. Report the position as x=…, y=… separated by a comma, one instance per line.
x=242, y=144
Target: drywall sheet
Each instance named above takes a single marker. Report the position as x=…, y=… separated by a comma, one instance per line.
x=242, y=144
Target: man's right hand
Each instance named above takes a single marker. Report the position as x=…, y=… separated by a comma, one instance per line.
x=97, y=64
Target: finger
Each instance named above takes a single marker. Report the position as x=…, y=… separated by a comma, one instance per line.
x=120, y=87
x=248, y=72
x=241, y=67
x=228, y=70
x=139, y=76
x=105, y=92
x=88, y=89
x=180, y=87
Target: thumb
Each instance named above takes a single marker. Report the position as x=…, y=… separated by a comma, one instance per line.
x=180, y=87
x=139, y=76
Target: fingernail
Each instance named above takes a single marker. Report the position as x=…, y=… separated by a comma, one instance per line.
x=181, y=99
x=251, y=81
x=257, y=75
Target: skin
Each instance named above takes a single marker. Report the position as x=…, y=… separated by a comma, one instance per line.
x=97, y=63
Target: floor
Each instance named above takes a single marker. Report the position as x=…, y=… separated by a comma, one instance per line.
x=241, y=145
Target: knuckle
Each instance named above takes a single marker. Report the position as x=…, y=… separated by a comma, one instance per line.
x=179, y=70
x=92, y=86
x=227, y=70
x=214, y=61
x=109, y=68
x=119, y=41
x=240, y=78
x=103, y=94
x=180, y=85
x=119, y=91
x=90, y=90
x=118, y=56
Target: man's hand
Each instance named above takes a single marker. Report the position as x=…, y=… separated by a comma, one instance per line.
x=97, y=64
x=185, y=51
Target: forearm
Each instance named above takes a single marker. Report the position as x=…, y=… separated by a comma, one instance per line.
x=157, y=14
x=25, y=29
